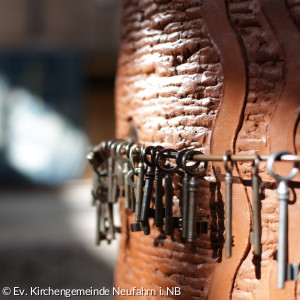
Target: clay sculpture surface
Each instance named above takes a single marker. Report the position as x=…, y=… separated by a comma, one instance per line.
x=213, y=75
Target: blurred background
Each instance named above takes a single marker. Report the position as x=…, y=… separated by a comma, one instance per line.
x=57, y=68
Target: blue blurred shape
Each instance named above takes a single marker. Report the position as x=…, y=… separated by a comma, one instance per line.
x=40, y=136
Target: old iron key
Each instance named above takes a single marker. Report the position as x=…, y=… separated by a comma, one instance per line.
x=192, y=191
x=167, y=171
x=114, y=173
x=139, y=172
x=97, y=158
x=132, y=185
x=136, y=156
x=149, y=179
x=185, y=190
x=256, y=217
x=111, y=175
x=285, y=271
x=125, y=163
x=158, y=219
x=129, y=189
x=228, y=182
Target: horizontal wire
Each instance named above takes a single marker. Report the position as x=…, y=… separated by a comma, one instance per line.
x=201, y=157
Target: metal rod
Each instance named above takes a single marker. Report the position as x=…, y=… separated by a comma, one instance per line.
x=234, y=157
x=199, y=157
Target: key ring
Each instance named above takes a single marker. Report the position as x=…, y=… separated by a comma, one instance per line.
x=127, y=148
x=227, y=159
x=118, y=152
x=179, y=160
x=165, y=153
x=147, y=151
x=276, y=156
x=151, y=150
x=135, y=149
x=188, y=169
x=111, y=144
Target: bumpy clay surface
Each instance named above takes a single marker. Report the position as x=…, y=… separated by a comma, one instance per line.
x=215, y=75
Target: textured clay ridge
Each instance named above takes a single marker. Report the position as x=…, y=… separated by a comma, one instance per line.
x=265, y=74
x=169, y=74
x=169, y=84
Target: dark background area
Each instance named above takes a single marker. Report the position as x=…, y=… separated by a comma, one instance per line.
x=64, y=53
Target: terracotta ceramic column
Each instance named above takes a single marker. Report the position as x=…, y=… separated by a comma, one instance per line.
x=216, y=75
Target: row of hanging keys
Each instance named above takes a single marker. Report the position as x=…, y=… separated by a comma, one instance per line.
x=143, y=177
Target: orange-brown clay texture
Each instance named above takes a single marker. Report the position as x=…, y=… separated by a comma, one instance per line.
x=214, y=75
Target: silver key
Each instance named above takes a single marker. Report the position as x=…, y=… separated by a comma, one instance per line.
x=285, y=271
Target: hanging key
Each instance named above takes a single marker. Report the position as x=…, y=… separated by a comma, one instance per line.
x=185, y=190
x=100, y=222
x=129, y=189
x=285, y=271
x=132, y=185
x=113, y=173
x=158, y=219
x=159, y=173
x=97, y=158
x=136, y=157
x=149, y=179
x=228, y=164
x=122, y=170
x=161, y=156
x=112, y=183
x=255, y=235
x=192, y=191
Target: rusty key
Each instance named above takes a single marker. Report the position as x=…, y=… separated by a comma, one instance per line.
x=136, y=157
x=149, y=179
x=192, y=191
x=161, y=156
x=185, y=190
